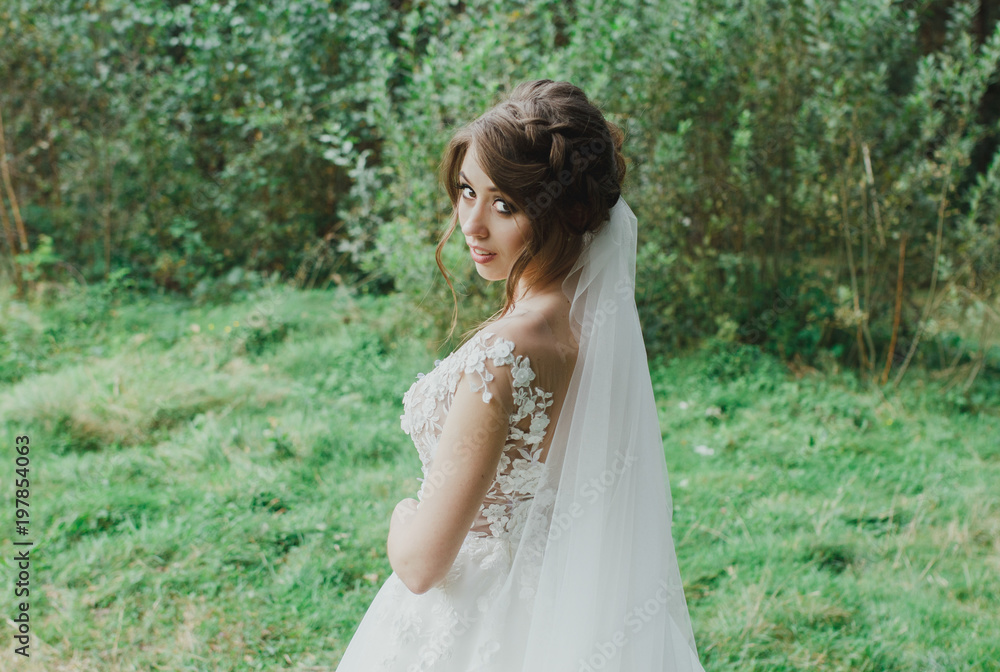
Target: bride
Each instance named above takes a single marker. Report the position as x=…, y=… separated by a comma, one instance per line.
x=540, y=539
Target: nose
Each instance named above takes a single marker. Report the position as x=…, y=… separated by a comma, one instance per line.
x=474, y=223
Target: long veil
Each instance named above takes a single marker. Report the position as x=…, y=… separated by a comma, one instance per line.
x=594, y=583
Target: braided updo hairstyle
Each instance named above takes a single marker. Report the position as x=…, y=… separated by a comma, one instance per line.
x=555, y=158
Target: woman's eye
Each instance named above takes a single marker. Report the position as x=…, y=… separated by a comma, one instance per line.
x=466, y=192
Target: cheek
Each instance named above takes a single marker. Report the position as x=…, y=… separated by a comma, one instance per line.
x=463, y=212
x=520, y=235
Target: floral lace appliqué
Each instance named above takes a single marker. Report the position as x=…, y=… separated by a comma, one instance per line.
x=519, y=471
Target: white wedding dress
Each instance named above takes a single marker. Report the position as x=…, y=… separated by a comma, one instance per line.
x=433, y=631
x=570, y=564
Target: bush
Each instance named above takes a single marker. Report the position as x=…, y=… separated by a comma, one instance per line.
x=186, y=139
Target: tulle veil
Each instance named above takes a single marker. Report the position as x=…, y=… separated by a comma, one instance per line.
x=594, y=584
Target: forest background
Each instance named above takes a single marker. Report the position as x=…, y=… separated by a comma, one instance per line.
x=238, y=202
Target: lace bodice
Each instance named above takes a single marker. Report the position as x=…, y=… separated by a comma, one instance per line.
x=426, y=405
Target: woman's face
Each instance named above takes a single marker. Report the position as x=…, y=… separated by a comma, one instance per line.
x=493, y=230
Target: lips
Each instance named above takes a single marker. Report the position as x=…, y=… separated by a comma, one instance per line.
x=481, y=256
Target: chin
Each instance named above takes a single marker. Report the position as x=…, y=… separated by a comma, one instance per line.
x=489, y=274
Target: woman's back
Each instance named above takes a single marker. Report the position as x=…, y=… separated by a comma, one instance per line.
x=523, y=361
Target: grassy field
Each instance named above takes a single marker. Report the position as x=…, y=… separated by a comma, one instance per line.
x=211, y=489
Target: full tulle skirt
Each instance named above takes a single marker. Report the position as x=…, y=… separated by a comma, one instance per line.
x=442, y=630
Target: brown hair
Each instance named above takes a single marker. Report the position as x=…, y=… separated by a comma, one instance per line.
x=555, y=157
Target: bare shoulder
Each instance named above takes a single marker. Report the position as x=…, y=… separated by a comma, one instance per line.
x=541, y=333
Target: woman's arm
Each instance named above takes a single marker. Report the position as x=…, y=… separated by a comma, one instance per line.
x=424, y=539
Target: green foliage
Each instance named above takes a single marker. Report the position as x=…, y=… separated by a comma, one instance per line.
x=259, y=336
x=38, y=262
x=187, y=139
x=752, y=186
x=729, y=361
x=784, y=159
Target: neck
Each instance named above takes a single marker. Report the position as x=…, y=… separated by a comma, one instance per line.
x=523, y=294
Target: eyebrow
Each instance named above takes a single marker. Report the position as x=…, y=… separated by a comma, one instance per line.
x=489, y=188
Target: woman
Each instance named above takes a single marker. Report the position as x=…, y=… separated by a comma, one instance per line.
x=540, y=538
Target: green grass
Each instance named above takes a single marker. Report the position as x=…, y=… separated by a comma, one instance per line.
x=207, y=499
x=833, y=528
